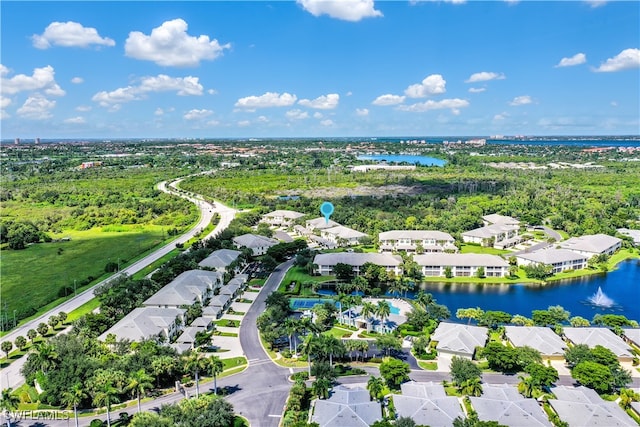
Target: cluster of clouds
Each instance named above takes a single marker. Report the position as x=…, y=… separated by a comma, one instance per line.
x=625, y=60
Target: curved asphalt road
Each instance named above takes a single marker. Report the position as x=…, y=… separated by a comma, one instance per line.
x=11, y=377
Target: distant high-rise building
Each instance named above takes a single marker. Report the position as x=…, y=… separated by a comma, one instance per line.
x=16, y=141
x=37, y=140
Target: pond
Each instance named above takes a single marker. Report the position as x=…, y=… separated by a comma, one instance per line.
x=405, y=158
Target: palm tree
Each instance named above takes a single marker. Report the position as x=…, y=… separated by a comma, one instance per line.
x=290, y=328
x=216, y=366
x=396, y=286
x=375, y=386
x=139, y=383
x=310, y=345
x=46, y=356
x=363, y=346
x=526, y=386
x=627, y=396
x=320, y=387
x=73, y=398
x=161, y=365
x=8, y=403
x=368, y=308
x=195, y=362
x=106, y=395
x=424, y=299
x=472, y=387
x=383, y=310
x=331, y=345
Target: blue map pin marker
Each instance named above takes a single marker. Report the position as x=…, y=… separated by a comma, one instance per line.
x=326, y=209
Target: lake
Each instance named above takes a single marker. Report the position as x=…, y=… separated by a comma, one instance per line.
x=622, y=285
x=405, y=158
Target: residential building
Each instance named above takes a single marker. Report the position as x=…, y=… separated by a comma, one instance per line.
x=416, y=241
x=281, y=218
x=346, y=407
x=258, y=244
x=499, y=219
x=593, y=336
x=320, y=223
x=634, y=234
x=162, y=324
x=326, y=262
x=456, y=339
x=219, y=303
x=462, y=265
x=504, y=404
x=342, y=236
x=187, y=339
x=189, y=287
x=500, y=236
x=559, y=259
x=592, y=245
x=353, y=317
x=540, y=338
x=427, y=404
x=220, y=260
x=583, y=407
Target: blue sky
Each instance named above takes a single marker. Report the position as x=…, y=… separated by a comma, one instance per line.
x=314, y=68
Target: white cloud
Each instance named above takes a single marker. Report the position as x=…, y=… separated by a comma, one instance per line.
x=614, y=104
x=170, y=45
x=37, y=107
x=349, y=93
x=500, y=116
x=297, y=114
x=263, y=119
x=324, y=102
x=197, y=114
x=83, y=108
x=183, y=86
x=269, y=99
x=4, y=102
x=41, y=79
x=347, y=10
x=388, y=99
x=596, y=3
x=318, y=115
x=628, y=58
x=159, y=112
x=3, y=70
x=213, y=123
x=577, y=59
x=69, y=34
x=477, y=89
x=77, y=80
x=414, y=2
x=521, y=100
x=485, y=76
x=327, y=122
x=362, y=112
x=453, y=104
x=211, y=91
x=4, y=115
x=244, y=123
x=431, y=85
x=78, y=120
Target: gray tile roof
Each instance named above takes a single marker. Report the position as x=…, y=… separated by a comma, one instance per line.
x=144, y=322
x=230, y=288
x=187, y=288
x=285, y=214
x=320, y=223
x=551, y=256
x=188, y=335
x=414, y=235
x=503, y=403
x=427, y=404
x=593, y=336
x=489, y=231
x=634, y=234
x=254, y=241
x=211, y=311
x=455, y=260
x=582, y=407
x=346, y=408
x=357, y=259
x=219, y=300
x=543, y=339
x=201, y=322
x=344, y=232
x=458, y=338
x=500, y=219
x=632, y=334
x=595, y=243
x=220, y=258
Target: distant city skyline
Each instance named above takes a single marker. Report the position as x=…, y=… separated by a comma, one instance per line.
x=311, y=68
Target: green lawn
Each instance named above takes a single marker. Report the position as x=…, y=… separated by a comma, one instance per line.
x=428, y=366
x=476, y=249
x=299, y=275
x=52, y=266
x=338, y=332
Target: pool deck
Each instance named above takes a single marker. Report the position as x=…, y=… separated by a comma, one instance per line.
x=402, y=305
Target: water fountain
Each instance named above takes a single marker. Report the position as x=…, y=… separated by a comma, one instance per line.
x=600, y=299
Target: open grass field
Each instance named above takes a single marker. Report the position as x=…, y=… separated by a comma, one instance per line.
x=300, y=275
x=33, y=277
